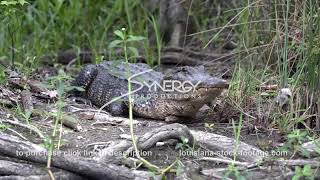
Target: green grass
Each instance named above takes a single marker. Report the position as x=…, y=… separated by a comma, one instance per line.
x=292, y=39
x=43, y=27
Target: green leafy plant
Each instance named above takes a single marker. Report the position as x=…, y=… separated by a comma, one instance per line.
x=124, y=41
x=130, y=52
x=236, y=132
x=295, y=140
x=234, y=172
x=25, y=115
x=179, y=167
x=317, y=143
x=58, y=84
x=3, y=76
x=3, y=126
x=232, y=169
x=28, y=65
x=303, y=173
x=184, y=145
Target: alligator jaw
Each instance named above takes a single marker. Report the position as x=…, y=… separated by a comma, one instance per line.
x=211, y=89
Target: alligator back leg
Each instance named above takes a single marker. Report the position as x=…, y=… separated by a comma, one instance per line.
x=118, y=109
x=104, y=89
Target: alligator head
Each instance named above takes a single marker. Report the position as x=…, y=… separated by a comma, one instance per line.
x=193, y=84
x=180, y=94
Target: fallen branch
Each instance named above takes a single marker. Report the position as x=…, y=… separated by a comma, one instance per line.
x=170, y=131
x=13, y=168
x=216, y=173
x=13, y=147
x=225, y=161
x=18, y=134
x=299, y=162
x=148, y=140
x=223, y=145
x=57, y=175
x=226, y=146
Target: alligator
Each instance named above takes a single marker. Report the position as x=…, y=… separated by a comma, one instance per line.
x=172, y=96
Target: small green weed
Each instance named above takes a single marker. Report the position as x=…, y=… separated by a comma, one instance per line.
x=295, y=140
x=232, y=169
x=123, y=41
x=3, y=76
x=126, y=41
x=184, y=145
x=3, y=126
x=58, y=84
x=303, y=173
x=234, y=172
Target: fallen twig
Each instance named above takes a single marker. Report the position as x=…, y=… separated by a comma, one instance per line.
x=226, y=146
x=56, y=175
x=24, y=169
x=219, y=160
x=18, y=134
x=30, y=127
x=299, y=162
x=217, y=173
